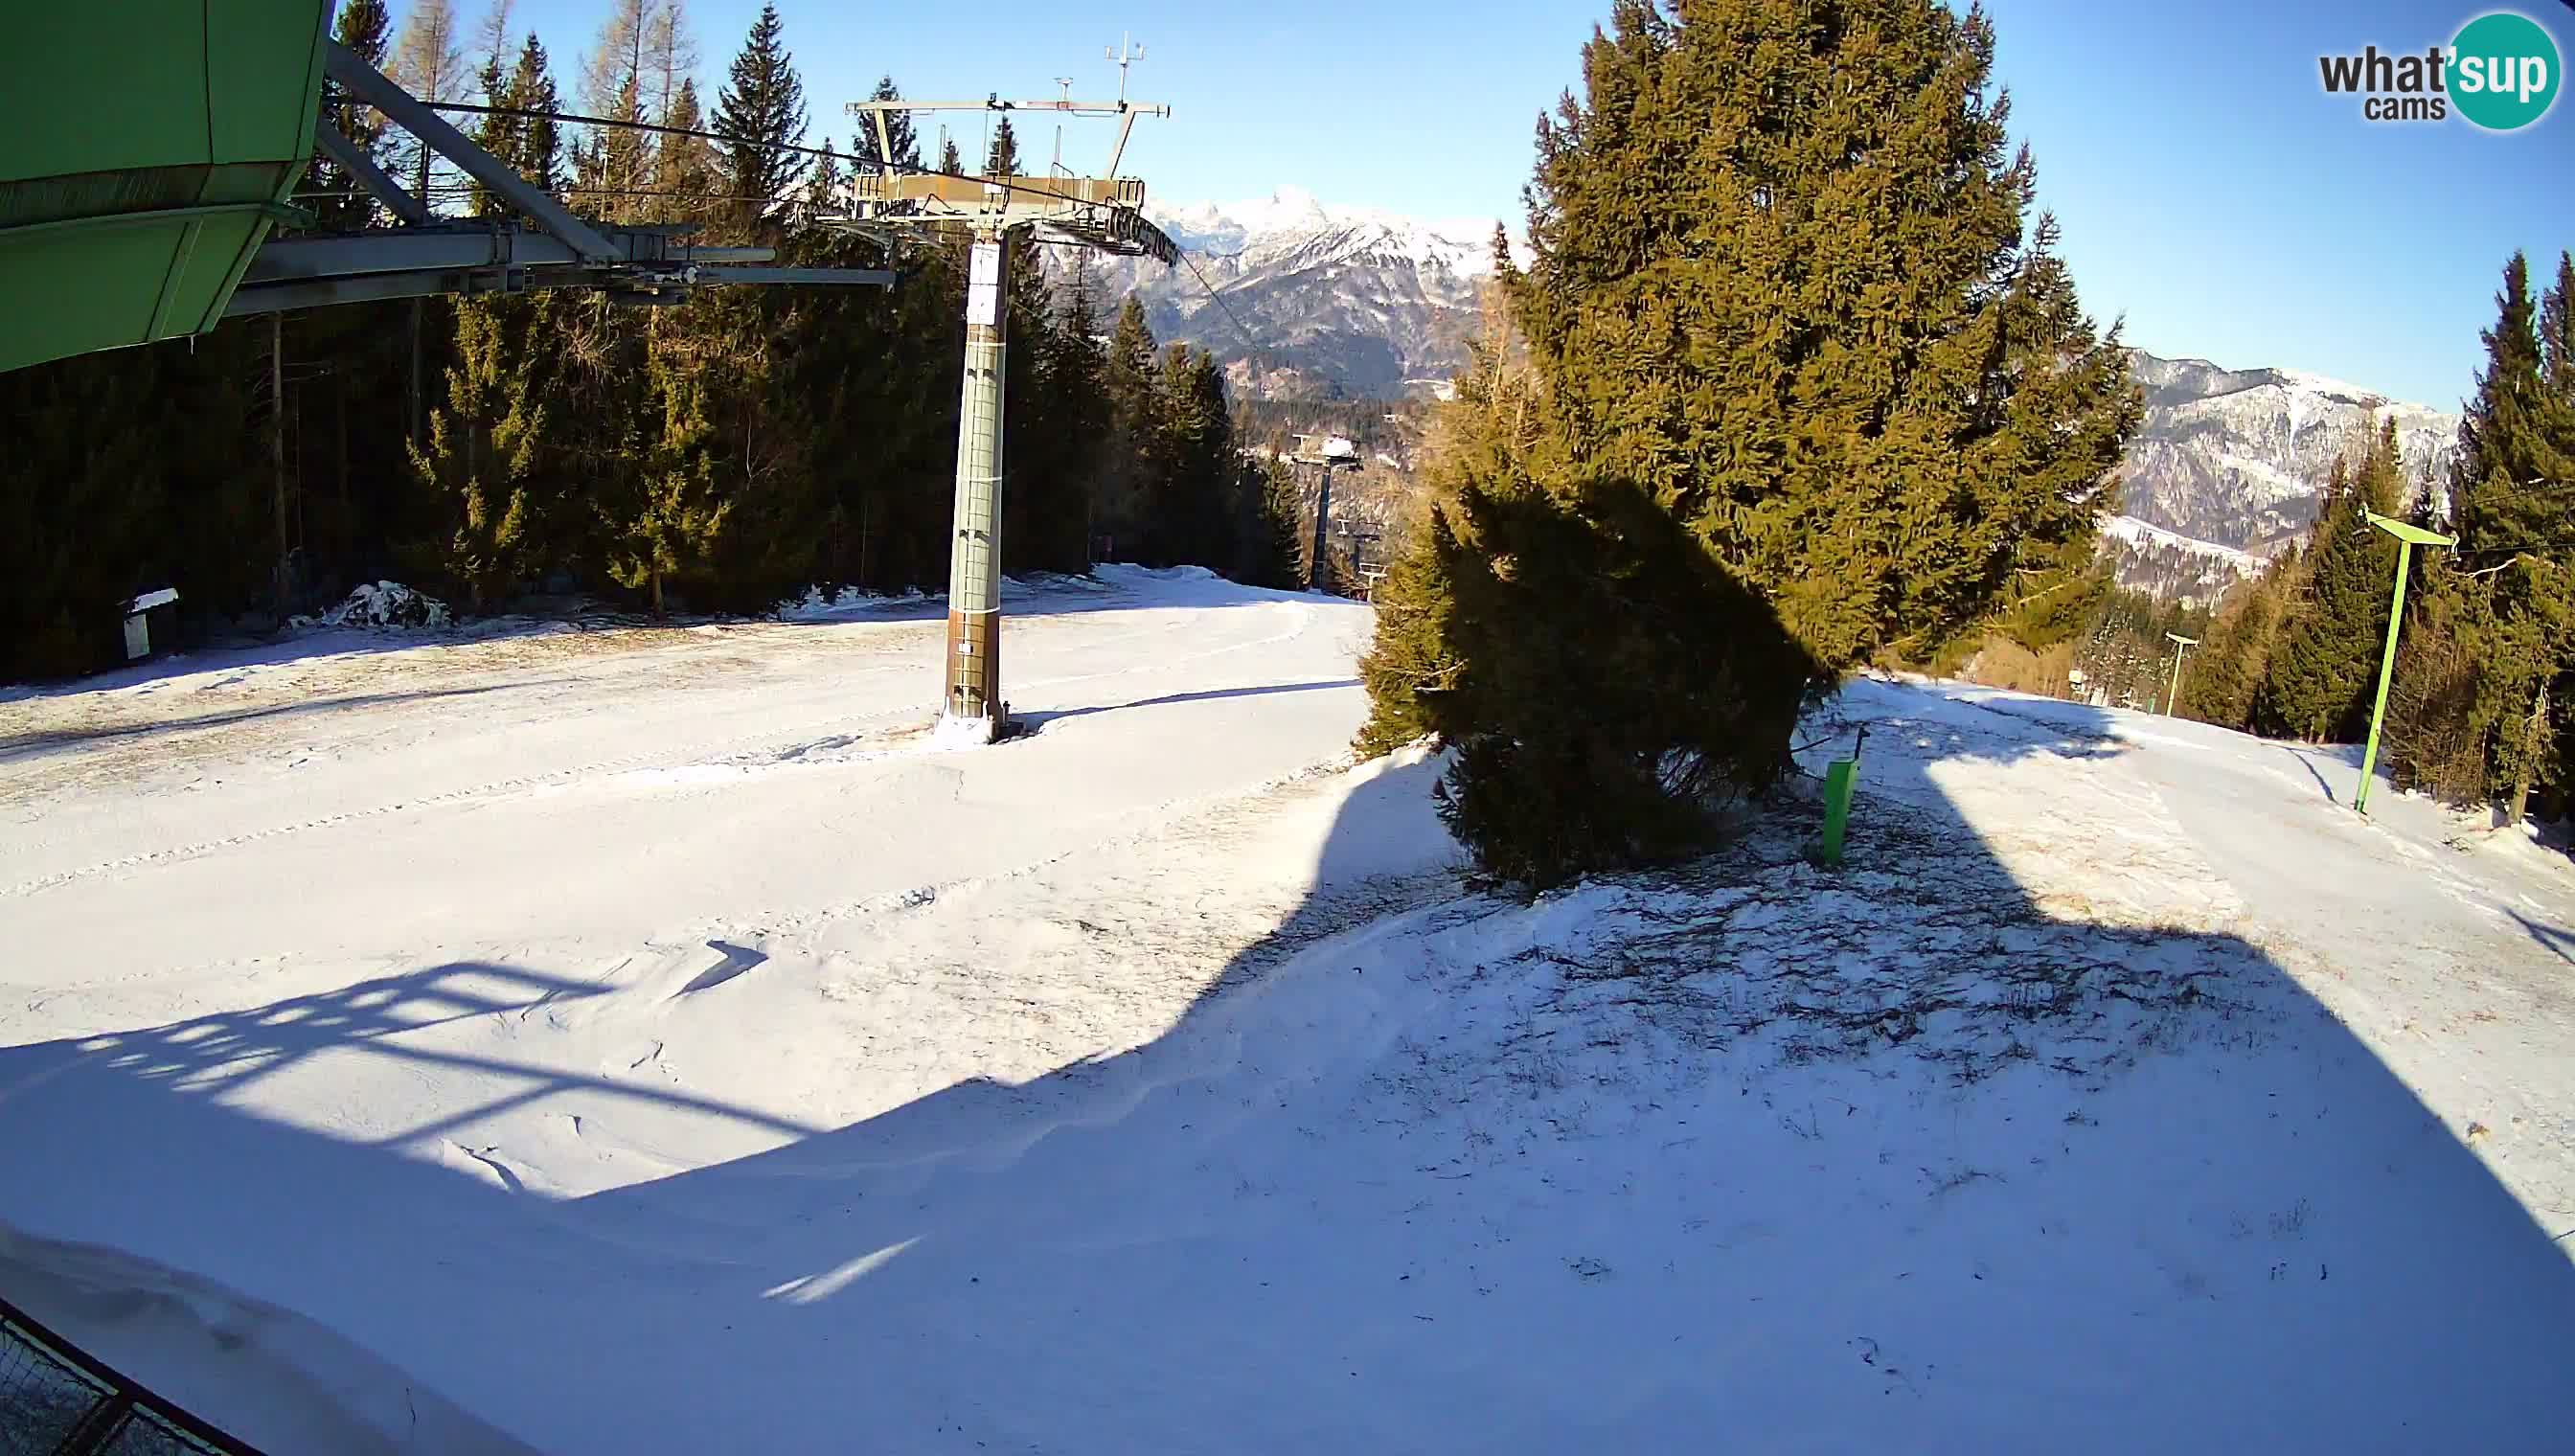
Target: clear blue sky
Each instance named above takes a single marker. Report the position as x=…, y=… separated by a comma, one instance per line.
x=2210, y=192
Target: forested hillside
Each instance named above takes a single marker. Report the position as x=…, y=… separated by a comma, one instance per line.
x=721, y=454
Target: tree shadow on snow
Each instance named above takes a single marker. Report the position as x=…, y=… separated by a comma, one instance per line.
x=2562, y=942
x=1032, y=721
x=34, y=744
x=1921, y=1155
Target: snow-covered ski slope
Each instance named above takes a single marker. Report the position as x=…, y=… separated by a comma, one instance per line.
x=648, y=1041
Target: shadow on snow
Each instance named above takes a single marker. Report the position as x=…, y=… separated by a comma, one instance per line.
x=1294, y=1218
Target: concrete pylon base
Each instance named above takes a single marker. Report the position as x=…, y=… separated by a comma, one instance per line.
x=953, y=732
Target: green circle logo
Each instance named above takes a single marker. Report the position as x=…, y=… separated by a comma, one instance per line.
x=2504, y=71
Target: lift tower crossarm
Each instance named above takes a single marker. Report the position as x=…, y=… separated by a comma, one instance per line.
x=1126, y=111
x=995, y=103
x=397, y=198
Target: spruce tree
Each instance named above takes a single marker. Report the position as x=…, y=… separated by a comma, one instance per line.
x=1269, y=526
x=672, y=520
x=762, y=110
x=823, y=189
x=2513, y=491
x=613, y=168
x=686, y=167
x=1131, y=476
x=497, y=133
x=1077, y=385
x=2320, y=682
x=1190, y=508
x=1003, y=158
x=2507, y=485
x=1783, y=283
x=949, y=161
x=483, y=449
x=538, y=157
x=1483, y=434
x=2227, y=670
x=899, y=131
x=1811, y=387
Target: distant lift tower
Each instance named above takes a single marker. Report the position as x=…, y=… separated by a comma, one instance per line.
x=1331, y=453
x=1102, y=212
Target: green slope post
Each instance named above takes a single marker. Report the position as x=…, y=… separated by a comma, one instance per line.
x=2408, y=537
x=1841, y=776
x=1838, y=781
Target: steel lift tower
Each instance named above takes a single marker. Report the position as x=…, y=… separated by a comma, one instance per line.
x=1102, y=212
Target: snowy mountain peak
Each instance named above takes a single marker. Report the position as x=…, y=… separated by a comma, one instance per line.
x=1321, y=299
x=1291, y=223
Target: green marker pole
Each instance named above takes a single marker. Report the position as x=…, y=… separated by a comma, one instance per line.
x=1839, y=779
x=2408, y=537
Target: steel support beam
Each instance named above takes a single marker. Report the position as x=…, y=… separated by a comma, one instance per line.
x=476, y=244
x=396, y=198
x=368, y=85
x=847, y=277
x=310, y=293
x=403, y=251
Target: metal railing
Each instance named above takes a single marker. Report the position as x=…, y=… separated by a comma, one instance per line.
x=55, y=1400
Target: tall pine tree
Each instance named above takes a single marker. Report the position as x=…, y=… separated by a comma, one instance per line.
x=2320, y=681
x=539, y=156
x=906, y=141
x=762, y=110
x=687, y=167
x=1811, y=386
x=2228, y=669
x=482, y=451
x=2513, y=494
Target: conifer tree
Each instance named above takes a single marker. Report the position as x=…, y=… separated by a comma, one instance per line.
x=823, y=189
x=538, y=154
x=1075, y=375
x=2228, y=669
x=1191, y=508
x=483, y=449
x=1483, y=433
x=669, y=57
x=497, y=133
x=1810, y=387
x=898, y=130
x=763, y=109
x=2319, y=682
x=1131, y=476
x=1783, y=283
x=2513, y=491
x=1003, y=158
x=1268, y=526
x=612, y=167
x=687, y=177
x=672, y=520
x=949, y=161
x=2506, y=487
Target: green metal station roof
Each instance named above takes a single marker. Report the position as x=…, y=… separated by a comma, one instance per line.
x=172, y=133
